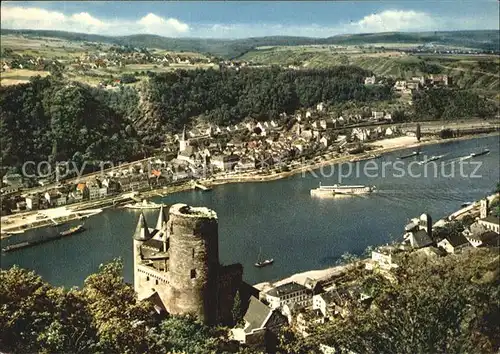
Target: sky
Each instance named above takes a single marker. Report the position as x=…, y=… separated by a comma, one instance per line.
x=241, y=19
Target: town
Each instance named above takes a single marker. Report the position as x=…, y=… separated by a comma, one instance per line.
x=250, y=149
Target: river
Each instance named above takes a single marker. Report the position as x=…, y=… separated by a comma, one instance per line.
x=282, y=219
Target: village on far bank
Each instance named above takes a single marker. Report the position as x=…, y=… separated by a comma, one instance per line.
x=208, y=151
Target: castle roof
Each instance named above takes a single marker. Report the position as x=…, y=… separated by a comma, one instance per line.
x=257, y=315
x=162, y=218
x=141, y=231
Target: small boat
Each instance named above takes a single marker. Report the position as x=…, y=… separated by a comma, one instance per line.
x=74, y=230
x=414, y=153
x=432, y=158
x=263, y=263
x=476, y=154
x=466, y=204
x=143, y=205
x=341, y=190
x=374, y=156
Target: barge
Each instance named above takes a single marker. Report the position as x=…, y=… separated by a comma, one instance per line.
x=74, y=230
x=341, y=190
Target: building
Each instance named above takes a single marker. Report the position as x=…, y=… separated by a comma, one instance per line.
x=485, y=231
x=418, y=233
x=93, y=189
x=337, y=302
x=377, y=115
x=262, y=326
x=289, y=293
x=453, y=243
x=245, y=165
x=479, y=236
x=177, y=262
x=320, y=107
x=490, y=222
x=385, y=258
x=32, y=202
x=224, y=162
x=183, y=142
x=55, y=199
x=370, y=80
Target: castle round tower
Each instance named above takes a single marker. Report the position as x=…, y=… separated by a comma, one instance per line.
x=194, y=262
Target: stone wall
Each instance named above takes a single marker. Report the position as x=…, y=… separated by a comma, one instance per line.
x=230, y=279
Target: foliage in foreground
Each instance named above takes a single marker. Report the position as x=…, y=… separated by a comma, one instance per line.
x=437, y=305
x=449, y=305
x=102, y=317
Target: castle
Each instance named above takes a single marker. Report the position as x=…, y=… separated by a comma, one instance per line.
x=176, y=265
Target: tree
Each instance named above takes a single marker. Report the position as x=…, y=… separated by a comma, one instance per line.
x=237, y=311
x=447, y=305
x=418, y=133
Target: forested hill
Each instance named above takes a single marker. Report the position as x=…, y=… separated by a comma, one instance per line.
x=481, y=39
x=48, y=119
x=229, y=96
x=52, y=119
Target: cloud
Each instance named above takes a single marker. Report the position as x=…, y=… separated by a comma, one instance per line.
x=15, y=17
x=395, y=20
x=37, y=18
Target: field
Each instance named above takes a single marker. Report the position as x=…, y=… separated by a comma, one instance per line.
x=19, y=76
x=65, y=51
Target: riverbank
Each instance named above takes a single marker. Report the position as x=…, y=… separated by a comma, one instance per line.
x=378, y=147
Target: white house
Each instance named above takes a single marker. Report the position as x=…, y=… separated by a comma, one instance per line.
x=289, y=293
x=370, y=80
x=32, y=202
x=320, y=107
x=453, y=243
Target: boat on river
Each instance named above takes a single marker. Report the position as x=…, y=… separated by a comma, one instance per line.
x=432, y=158
x=481, y=153
x=414, y=153
x=74, y=230
x=263, y=263
x=143, y=205
x=71, y=231
x=337, y=189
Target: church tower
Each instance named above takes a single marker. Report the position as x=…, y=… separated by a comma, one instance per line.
x=183, y=142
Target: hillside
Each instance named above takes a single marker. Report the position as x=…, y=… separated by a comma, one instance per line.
x=483, y=40
x=472, y=72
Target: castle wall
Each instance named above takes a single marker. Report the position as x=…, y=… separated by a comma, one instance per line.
x=193, y=263
x=230, y=278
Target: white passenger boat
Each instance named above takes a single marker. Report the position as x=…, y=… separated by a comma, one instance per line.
x=341, y=190
x=143, y=205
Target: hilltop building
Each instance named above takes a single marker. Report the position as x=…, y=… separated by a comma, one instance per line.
x=176, y=265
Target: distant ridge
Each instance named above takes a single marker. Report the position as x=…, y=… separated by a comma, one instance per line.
x=233, y=48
